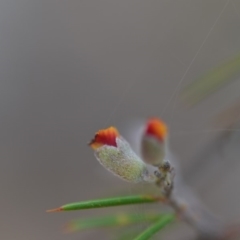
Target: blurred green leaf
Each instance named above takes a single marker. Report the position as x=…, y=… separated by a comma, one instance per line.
x=121, y=219
x=212, y=81
x=156, y=227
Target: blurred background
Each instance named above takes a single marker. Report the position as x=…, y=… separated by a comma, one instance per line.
x=69, y=68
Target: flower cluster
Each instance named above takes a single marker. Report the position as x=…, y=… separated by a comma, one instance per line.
x=116, y=155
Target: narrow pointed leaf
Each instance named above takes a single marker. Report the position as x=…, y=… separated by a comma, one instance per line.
x=110, y=221
x=212, y=80
x=156, y=227
x=108, y=202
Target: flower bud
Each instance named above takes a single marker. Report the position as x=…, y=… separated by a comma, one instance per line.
x=154, y=142
x=116, y=155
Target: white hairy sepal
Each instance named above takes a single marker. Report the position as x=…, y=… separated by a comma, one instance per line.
x=153, y=151
x=123, y=162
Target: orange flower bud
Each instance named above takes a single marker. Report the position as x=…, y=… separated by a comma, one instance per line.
x=156, y=128
x=116, y=155
x=154, y=142
x=105, y=137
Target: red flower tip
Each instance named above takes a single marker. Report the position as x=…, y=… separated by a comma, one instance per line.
x=156, y=128
x=105, y=137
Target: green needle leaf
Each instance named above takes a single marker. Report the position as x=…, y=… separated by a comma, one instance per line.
x=212, y=80
x=108, y=202
x=156, y=227
x=110, y=221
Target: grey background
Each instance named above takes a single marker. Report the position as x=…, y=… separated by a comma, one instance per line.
x=69, y=68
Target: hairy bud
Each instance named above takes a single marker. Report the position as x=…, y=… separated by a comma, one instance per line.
x=116, y=155
x=154, y=142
